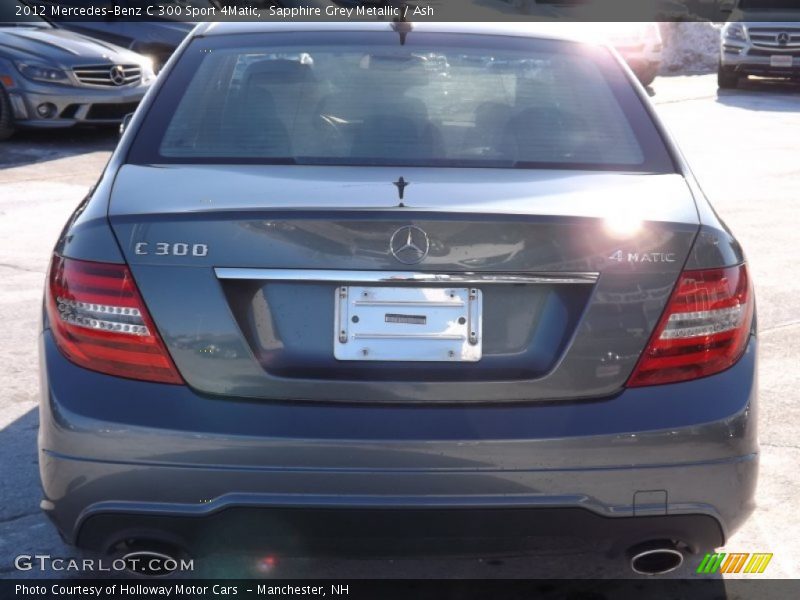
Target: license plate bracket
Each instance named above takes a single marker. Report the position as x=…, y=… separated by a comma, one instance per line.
x=780, y=60
x=415, y=324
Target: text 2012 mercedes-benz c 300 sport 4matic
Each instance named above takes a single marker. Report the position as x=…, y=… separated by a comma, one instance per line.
x=324, y=291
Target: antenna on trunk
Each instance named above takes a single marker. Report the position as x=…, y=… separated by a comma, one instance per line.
x=400, y=25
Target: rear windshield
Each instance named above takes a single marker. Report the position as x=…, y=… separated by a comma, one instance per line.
x=365, y=99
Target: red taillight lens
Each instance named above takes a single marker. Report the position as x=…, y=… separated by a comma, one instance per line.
x=703, y=330
x=99, y=321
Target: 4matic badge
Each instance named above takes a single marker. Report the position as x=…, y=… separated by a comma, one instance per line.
x=643, y=257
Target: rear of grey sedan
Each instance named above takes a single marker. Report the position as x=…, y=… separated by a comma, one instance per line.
x=322, y=293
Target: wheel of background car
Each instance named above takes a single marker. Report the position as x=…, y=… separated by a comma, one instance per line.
x=647, y=75
x=727, y=79
x=6, y=115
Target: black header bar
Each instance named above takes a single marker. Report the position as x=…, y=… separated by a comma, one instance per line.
x=780, y=11
x=699, y=588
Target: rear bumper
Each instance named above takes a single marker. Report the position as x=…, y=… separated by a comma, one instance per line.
x=386, y=531
x=121, y=458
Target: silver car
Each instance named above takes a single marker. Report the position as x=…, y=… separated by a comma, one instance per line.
x=50, y=77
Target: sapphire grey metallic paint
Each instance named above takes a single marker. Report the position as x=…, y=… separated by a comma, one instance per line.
x=269, y=421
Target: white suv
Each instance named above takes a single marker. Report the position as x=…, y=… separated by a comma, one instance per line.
x=641, y=47
x=769, y=49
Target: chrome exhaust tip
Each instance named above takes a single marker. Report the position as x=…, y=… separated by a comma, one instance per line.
x=147, y=557
x=655, y=558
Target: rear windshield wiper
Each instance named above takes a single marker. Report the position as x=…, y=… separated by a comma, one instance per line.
x=278, y=160
x=258, y=160
x=222, y=160
x=577, y=166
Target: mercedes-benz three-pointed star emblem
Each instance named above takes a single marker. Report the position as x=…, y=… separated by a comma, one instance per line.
x=117, y=75
x=409, y=245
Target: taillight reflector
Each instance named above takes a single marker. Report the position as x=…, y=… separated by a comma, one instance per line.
x=704, y=328
x=100, y=322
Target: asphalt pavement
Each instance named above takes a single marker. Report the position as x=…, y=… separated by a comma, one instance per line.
x=744, y=148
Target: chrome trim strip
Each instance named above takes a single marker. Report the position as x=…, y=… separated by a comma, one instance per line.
x=344, y=276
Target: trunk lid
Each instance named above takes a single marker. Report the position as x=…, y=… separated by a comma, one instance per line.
x=240, y=266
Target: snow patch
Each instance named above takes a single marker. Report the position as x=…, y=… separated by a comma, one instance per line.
x=690, y=47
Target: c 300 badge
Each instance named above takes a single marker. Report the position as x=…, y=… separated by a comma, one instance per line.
x=170, y=249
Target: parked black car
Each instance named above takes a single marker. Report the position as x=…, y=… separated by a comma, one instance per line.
x=156, y=38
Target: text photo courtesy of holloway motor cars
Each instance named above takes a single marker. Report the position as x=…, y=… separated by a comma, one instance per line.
x=478, y=298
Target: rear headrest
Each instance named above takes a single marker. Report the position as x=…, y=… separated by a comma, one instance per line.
x=278, y=71
x=404, y=71
x=256, y=98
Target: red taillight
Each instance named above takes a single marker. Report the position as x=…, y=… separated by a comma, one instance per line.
x=99, y=321
x=703, y=330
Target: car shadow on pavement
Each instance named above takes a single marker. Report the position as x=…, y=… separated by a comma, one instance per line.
x=772, y=95
x=19, y=468
x=23, y=527
x=34, y=146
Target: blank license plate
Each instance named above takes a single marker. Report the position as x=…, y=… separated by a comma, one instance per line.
x=408, y=324
x=780, y=61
